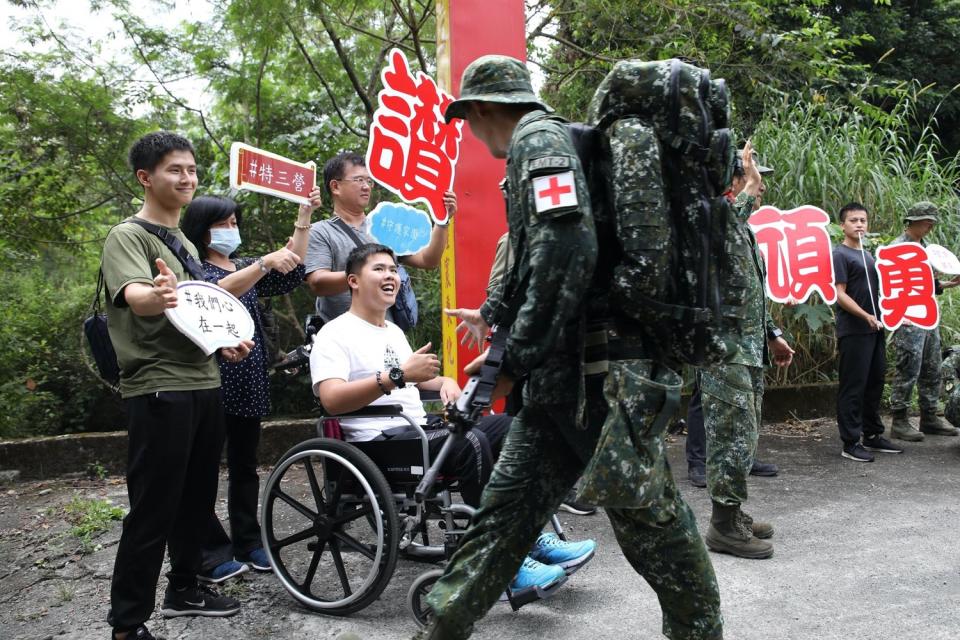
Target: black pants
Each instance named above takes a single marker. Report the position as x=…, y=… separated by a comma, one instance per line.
x=696, y=447
x=863, y=364
x=243, y=436
x=175, y=439
x=472, y=459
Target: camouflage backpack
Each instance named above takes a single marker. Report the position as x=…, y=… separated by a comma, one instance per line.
x=658, y=157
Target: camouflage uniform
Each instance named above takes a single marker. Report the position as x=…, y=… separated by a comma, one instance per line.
x=547, y=448
x=950, y=378
x=916, y=360
x=732, y=393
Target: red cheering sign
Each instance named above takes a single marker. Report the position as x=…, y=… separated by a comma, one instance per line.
x=412, y=151
x=796, y=249
x=264, y=172
x=907, y=287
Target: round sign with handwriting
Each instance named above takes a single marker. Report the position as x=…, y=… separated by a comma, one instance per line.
x=210, y=316
x=943, y=260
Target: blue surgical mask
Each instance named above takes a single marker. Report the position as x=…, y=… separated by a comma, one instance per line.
x=224, y=241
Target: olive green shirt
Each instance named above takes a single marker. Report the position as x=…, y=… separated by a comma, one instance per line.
x=153, y=355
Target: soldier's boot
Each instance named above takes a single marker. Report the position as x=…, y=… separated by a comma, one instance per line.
x=901, y=428
x=762, y=530
x=931, y=424
x=728, y=534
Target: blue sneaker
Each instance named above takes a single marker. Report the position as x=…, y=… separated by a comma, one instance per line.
x=224, y=571
x=534, y=574
x=569, y=556
x=257, y=559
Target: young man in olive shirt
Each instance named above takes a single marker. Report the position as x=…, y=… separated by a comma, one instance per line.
x=861, y=342
x=171, y=393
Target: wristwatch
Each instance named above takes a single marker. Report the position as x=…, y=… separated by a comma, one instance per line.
x=773, y=334
x=396, y=377
x=263, y=267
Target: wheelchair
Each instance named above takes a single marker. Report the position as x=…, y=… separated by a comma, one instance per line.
x=336, y=516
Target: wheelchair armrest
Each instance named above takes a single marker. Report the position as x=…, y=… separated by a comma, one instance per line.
x=429, y=395
x=383, y=410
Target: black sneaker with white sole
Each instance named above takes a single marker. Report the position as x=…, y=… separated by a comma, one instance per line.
x=857, y=453
x=200, y=600
x=880, y=444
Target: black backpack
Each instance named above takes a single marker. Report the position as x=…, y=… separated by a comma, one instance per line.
x=658, y=157
x=95, y=325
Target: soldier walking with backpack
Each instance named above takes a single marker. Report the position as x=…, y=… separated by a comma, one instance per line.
x=542, y=302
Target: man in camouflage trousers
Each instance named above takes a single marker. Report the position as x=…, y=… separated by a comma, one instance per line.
x=917, y=351
x=547, y=448
x=732, y=393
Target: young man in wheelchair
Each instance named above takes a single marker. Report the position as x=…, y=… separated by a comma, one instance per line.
x=361, y=359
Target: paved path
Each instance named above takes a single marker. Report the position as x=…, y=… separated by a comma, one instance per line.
x=862, y=551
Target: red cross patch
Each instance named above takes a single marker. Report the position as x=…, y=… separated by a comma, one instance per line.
x=556, y=191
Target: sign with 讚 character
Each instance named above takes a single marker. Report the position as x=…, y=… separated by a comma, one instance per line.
x=264, y=172
x=403, y=228
x=412, y=151
x=210, y=316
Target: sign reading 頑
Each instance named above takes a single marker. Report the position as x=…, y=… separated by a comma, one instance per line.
x=796, y=249
x=412, y=151
x=211, y=317
x=264, y=172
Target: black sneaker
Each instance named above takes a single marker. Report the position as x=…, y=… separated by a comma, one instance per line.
x=198, y=601
x=880, y=445
x=570, y=505
x=764, y=469
x=140, y=633
x=697, y=474
x=856, y=453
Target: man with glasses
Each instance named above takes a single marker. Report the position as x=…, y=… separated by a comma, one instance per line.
x=347, y=182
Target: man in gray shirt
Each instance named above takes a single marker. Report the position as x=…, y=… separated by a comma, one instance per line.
x=349, y=185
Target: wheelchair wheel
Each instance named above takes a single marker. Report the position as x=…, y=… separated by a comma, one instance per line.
x=330, y=526
x=416, y=597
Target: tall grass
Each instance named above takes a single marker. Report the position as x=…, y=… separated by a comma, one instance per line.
x=827, y=155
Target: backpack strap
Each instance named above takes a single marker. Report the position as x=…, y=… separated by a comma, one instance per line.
x=348, y=230
x=173, y=243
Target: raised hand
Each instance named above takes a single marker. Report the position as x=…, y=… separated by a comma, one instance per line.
x=283, y=260
x=421, y=365
x=472, y=325
x=165, y=286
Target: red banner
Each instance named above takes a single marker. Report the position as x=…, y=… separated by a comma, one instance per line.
x=466, y=31
x=264, y=172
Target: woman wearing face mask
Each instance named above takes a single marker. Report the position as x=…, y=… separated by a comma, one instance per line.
x=212, y=225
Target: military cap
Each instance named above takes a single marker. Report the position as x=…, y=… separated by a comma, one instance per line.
x=494, y=78
x=923, y=210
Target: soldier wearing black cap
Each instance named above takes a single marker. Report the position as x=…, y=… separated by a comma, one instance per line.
x=917, y=351
x=541, y=301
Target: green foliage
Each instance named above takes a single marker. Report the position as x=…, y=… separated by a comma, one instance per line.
x=89, y=517
x=763, y=48
x=45, y=386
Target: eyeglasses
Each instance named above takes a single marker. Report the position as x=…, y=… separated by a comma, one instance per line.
x=359, y=180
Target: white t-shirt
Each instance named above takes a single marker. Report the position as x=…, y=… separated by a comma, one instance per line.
x=350, y=348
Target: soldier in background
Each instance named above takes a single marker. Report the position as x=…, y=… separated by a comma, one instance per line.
x=732, y=394
x=541, y=301
x=917, y=351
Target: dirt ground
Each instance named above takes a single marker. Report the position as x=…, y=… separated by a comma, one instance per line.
x=862, y=551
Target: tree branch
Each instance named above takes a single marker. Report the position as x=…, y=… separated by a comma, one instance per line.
x=323, y=82
x=345, y=60
x=64, y=216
